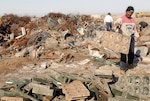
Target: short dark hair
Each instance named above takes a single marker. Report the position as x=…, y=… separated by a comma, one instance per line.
x=109, y=13
x=130, y=8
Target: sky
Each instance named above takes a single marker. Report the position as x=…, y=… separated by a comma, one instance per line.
x=43, y=7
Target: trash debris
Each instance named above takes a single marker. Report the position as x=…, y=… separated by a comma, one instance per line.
x=61, y=57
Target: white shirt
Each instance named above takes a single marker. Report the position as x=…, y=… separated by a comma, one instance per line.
x=108, y=18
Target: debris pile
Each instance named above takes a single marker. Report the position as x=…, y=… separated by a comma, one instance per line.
x=74, y=58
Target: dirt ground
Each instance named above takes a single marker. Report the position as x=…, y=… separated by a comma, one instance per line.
x=10, y=65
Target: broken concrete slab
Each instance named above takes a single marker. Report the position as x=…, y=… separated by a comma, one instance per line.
x=42, y=89
x=141, y=51
x=111, y=40
x=75, y=91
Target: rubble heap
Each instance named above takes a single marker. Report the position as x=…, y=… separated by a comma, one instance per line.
x=74, y=58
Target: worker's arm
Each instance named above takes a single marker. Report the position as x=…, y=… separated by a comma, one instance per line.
x=118, y=23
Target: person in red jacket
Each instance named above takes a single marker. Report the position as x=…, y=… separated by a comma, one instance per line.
x=127, y=26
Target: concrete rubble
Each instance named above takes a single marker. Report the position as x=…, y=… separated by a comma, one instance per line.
x=80, y=60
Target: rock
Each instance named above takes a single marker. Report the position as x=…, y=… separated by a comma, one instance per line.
x=141, y=51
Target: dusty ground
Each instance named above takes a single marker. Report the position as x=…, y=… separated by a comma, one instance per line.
x=12, y=64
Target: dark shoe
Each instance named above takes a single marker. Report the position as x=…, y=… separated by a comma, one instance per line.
x=124, y=66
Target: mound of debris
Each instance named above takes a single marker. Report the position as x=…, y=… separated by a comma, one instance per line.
x=61, y=57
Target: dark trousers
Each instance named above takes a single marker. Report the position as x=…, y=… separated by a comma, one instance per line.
x=109, y=26
x=129, y=57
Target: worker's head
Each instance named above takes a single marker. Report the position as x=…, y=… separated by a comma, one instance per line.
x=129, y=11
x=109, y=13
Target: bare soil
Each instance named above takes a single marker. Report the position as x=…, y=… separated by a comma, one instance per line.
x=10, y=65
